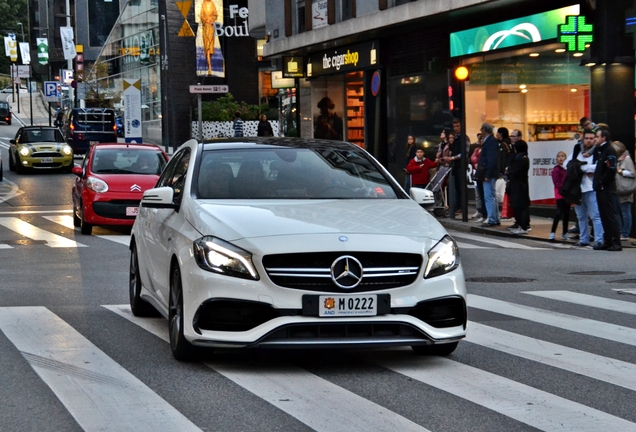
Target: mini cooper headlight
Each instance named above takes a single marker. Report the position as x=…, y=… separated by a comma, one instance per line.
x=96, y=185
x=67, y=150
x=442, y=258
x=24, y=151
x=218, y=256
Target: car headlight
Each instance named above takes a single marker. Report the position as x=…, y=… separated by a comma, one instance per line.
x=24, y=151
x=96, y=185
x=218, y=256
x=442, y=258
x=67, y=150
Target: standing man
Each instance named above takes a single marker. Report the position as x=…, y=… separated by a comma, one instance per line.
x=238, y=125
x=605, y=188
x=586, y=153
x=488, y=172
x=460, y=149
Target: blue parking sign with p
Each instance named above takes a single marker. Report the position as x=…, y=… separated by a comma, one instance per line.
x=50, y=89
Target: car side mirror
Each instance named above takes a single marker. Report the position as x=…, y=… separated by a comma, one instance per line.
x=423, y=197
x=77, y=170
x=69, y=140
x=12, y=141
x=162, y=197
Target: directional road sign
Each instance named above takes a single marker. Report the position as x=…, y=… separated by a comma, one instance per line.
x=209, y=89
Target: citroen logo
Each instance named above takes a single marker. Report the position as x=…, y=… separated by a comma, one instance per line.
x=346, y=272
x=135, y=188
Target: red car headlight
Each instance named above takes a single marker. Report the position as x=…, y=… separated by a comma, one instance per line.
x=96, y=185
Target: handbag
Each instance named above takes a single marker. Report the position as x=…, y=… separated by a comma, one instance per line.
x=625, y=185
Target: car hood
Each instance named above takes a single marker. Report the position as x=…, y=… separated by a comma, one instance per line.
x=129, y=182
x=233, y=220
x=44, y=146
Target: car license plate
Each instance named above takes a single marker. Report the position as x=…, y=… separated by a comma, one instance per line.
x=132, y=211
x=46, y=160
x=347, y=306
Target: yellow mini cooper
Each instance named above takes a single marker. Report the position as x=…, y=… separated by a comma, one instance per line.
x=39, y=147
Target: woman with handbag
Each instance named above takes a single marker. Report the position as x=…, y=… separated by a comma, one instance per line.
x=625, y=187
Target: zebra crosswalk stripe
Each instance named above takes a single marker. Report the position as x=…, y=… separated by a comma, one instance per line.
x=67, y=221
x=521, y=402
x=587, y=300
x=496, y=242
x=605, y=369
x=34, y=233
x=585, y=326
x=296, y=391
x=99, y=393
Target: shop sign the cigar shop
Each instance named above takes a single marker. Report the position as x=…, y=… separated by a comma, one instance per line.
x=345, y=59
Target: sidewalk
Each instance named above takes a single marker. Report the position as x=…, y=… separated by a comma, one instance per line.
x=40, y=115
x=541, y=227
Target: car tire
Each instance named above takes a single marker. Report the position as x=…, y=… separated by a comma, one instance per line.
x=138, y=306
x=19, y=169
x=437, y=350
x=85, y=228
x=1, y=173
x=182, y=350
x=11, y=166
x=77, y=222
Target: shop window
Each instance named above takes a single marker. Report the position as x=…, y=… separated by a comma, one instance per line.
x=543, y=94
x=348, y=9
x=355, y=108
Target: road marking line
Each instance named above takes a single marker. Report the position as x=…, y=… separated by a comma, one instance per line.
x=28, y=212
x=576, y=324
x=521, y=402
x=99, y=393
x=67, y=221
x=587, y=300
x=63, y=220
x=296, y=391
x=605, y=369
x=34, y=233
x=5, y=246
x=502, y=243
x=14, y=191
x=122, y=239
x=463, y=245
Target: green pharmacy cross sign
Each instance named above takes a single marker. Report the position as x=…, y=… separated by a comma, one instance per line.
x=576, y=33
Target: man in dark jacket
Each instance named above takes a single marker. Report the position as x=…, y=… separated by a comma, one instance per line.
x=605, y=188
x=488, y=172
x=460, y=149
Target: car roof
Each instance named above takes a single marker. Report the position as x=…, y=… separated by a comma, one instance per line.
x=127, y=145
x=251, y=142
x=38, y=127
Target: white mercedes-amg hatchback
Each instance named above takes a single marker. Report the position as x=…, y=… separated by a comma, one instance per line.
x=279, y=242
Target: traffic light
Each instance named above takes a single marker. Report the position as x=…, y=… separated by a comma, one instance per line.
x=461, y=73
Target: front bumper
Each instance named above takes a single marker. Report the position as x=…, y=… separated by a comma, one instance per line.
x=50, y=164
x=222, y=311
x=109, y=208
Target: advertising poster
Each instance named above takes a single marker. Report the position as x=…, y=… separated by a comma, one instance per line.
x=132, y=111
x=68, y=42
x=43, y=50
x=209, y=16
x=12, y=45
x=542, y=155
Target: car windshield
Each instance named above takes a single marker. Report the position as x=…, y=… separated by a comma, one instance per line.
x=42, y=135
x=4, y=105
x=290, y=173
x=128, y=161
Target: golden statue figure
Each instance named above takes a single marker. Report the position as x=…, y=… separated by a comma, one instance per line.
x=208, y=16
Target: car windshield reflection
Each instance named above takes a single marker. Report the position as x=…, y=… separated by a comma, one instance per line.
x=290, y=173
x=128, y=161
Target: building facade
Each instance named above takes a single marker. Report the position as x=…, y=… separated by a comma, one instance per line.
x=386, y=66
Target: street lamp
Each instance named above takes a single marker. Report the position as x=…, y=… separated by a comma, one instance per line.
x=22, y=27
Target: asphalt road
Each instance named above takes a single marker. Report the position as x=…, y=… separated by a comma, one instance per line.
x=548, y=348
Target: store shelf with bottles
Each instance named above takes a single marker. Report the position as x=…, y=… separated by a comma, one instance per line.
x=546, y=131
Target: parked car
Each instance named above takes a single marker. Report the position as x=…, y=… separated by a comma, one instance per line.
x=9, y=89
x=5, y=112
x=282, y=242
x=40, y=148
x=110, y=183
x=86, y=126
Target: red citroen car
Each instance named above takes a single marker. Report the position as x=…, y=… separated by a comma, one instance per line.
x=111, y=181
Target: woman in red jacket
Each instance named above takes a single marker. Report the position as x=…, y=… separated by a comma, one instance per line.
x=418, y=168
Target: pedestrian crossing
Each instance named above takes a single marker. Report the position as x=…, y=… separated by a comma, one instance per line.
x=77, y=371
x=39, y=229
x=16, y=228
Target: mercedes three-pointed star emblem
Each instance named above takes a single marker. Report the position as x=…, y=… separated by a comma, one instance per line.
x=346, y=272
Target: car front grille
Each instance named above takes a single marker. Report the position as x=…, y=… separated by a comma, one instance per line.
x=312, y=271
x=43, y=154
x=115, y=209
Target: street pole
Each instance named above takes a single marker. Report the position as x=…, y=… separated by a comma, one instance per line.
x=465, y=151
